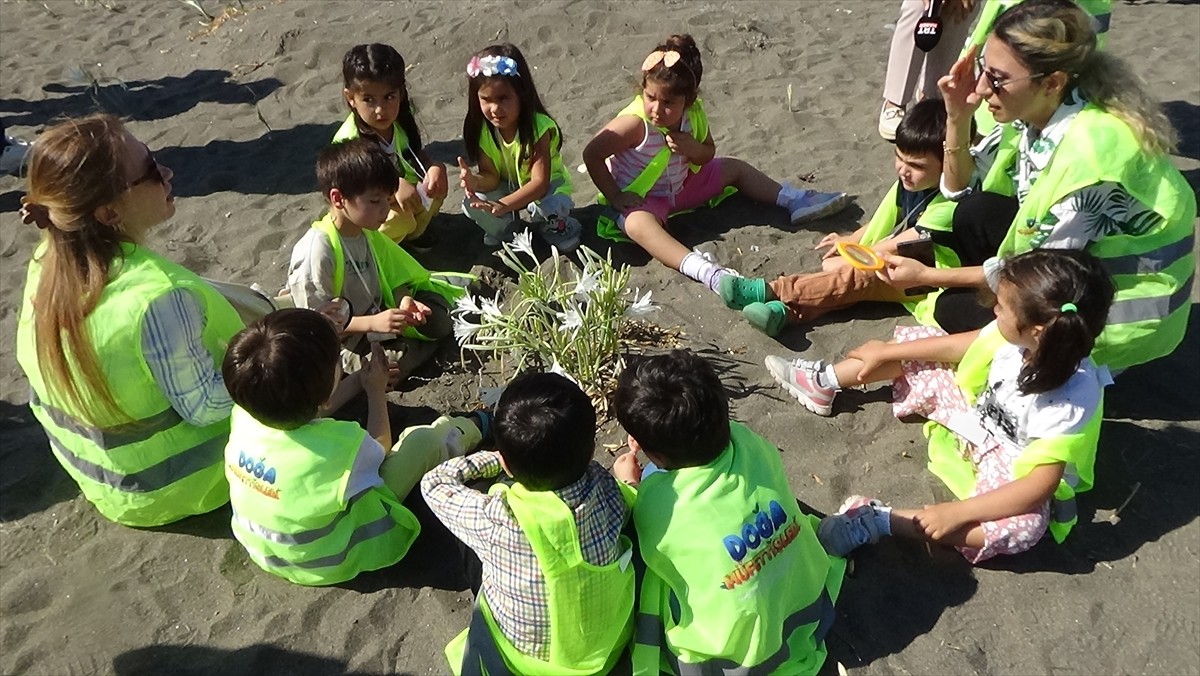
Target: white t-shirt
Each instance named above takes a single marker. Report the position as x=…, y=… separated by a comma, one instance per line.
x=1013, y=418
x=310, y=275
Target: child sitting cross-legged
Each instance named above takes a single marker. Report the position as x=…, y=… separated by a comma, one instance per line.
x=557, y=588
x=735, y=575
x=317, y=501
x=394, y=299
x=913, y=212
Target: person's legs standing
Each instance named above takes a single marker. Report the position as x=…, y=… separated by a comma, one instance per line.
x=903, y=68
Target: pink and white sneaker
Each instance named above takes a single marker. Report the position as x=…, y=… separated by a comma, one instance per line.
x=800, y=378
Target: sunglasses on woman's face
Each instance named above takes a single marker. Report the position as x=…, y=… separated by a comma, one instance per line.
x=153, y=172
x=997, y=84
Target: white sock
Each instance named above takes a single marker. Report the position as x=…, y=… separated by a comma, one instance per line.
x=701, y=269
x=829, y=378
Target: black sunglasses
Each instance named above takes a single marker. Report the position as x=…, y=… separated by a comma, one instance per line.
x=997, y=84
x=153, y=172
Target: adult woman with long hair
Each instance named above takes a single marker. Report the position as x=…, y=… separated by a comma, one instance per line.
x=122, y=347
x=1079, y=160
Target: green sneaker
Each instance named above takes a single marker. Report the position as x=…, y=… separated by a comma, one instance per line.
x=738, y=292
x=770, y=318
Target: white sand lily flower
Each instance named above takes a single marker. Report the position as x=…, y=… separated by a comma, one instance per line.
x=571, y=319
x=490, y=309
x=523, y=242
x=464, y=330
x=466, y=304
x=558, y=368
x=588, y=282
x=640, y=307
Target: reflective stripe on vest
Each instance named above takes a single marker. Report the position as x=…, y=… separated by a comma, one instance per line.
x=156, y=477
x=1150, y=261
x=1130, y=310
x=301, y=538
x=108, y=438
x=367, y=531
x=648, y=630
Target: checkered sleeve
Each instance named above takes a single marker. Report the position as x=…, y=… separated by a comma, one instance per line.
x=463, y=509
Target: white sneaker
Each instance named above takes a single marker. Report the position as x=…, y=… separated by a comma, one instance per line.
x=889, y=119
x=810, y=205
x=801, y=378
x=12, y=159
x=561, y=232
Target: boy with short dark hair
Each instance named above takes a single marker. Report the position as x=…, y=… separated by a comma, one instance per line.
x=735, y=574
x=557, y=585
x=315, y=500
x=344, y=254
x=909, y=215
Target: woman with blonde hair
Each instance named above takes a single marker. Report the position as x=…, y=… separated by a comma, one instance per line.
x=1079, y=160
x=122, y=347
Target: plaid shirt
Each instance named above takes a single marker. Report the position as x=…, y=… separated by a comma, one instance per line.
x=173, y=346
x=512, y=580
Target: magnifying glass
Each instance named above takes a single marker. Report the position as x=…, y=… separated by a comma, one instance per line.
x=859, y=256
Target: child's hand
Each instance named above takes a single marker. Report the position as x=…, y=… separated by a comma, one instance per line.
x=466, y=180
x=493, y=207
x=416, y=311
x=872, y=355
x=408, y=198
x=901, y=272
x=375, y=375
x=392, y=320
x=436, y=184
x=831, y=240
x=682, y=143
x=940, y=520
x=626, y=201
x=626, y=468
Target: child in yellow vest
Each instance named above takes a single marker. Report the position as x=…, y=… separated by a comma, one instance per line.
x=1015, y=409
x=657, y=158
x=316, y=500
x=394, y=299
x=557, y=581
x=518, y=148
x=735, y=579
x=913, y=211
x=376, y=90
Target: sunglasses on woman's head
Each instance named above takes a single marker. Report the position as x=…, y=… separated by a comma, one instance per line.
x=152, y=173
x=997, y=84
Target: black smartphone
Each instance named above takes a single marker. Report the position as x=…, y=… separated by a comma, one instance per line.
x=920, y=249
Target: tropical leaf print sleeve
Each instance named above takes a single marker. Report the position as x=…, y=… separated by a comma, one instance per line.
x=1093, y=212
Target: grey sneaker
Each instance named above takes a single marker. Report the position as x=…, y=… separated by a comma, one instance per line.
x=14, y=155
x=811, y=205
x=841, y=534
x=562, y=233
x=799, y=378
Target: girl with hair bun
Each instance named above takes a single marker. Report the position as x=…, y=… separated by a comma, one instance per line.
x=657, y=158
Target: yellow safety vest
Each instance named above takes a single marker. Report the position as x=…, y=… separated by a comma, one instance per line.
x=735, y=579
x=591, y=607
x=349, y=131
x=155, y=468
x=290, y=508
x=507, y=156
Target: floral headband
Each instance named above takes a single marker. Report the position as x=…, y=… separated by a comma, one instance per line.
x=491, y=66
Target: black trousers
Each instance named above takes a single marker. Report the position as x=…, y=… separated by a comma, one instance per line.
x=980, y=224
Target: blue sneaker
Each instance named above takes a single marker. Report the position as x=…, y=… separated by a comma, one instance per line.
x=810, y=205
x=841, y=534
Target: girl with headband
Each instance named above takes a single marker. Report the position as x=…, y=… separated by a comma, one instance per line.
x=517, y=152
x=657, y=158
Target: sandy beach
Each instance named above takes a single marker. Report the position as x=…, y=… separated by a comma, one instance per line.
x=238, y=108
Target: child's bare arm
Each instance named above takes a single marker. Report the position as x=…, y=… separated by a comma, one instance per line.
x=1019, y=497
x=374, y=381
x=485, y=180
x=622, y=133
x=537, y=187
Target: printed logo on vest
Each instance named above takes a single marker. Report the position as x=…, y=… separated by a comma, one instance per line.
x=763, y=536
x=256, y=475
